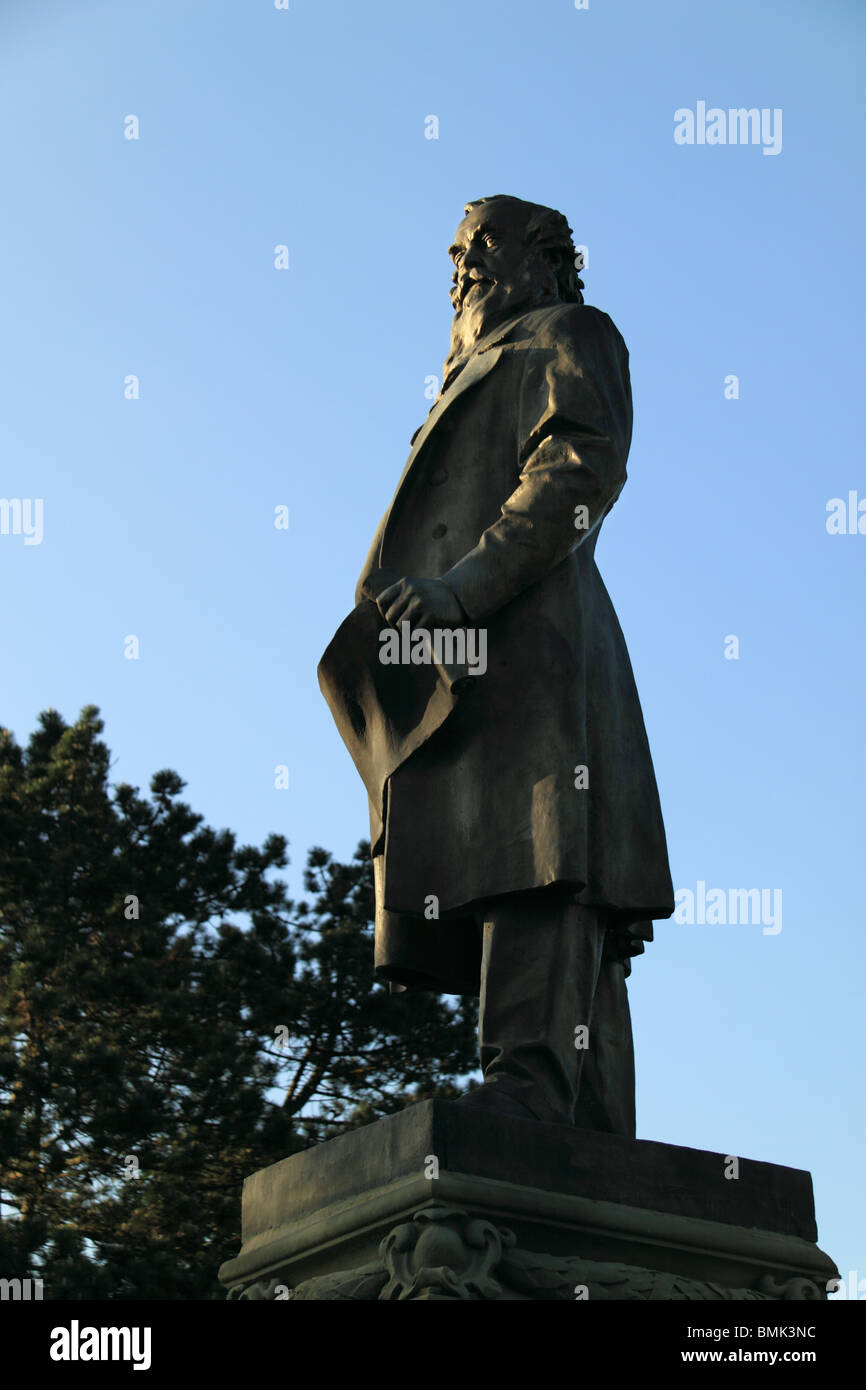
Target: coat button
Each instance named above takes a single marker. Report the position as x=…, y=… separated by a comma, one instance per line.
x=439, y=531
x=439, y=477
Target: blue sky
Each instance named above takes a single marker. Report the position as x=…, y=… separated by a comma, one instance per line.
x=301, y=387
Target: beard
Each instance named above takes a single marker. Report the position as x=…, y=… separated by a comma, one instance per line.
x=484, y=308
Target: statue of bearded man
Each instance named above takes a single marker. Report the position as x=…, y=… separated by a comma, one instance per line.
x=483, y=687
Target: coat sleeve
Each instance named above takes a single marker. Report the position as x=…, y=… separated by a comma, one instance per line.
x=574, y=429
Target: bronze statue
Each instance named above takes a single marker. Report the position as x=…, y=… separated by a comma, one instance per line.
x=483, y=687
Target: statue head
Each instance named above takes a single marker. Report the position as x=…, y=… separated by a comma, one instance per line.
x=509, y=257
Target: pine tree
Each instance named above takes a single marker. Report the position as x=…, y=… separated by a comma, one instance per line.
x=170, y=1021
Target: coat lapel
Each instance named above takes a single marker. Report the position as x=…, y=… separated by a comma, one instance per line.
x=485, y=357
x=480, y=363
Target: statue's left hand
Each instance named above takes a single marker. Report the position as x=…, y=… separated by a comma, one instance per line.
x=422, y=602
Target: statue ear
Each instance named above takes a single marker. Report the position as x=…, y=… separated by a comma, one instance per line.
x=551, y=261
x=554, y=255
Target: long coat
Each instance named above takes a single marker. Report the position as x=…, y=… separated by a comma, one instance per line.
x=478, y=789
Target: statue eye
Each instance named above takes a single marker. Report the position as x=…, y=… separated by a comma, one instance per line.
x=490, y=242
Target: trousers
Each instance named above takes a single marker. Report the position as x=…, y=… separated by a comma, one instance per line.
x=554, y=1025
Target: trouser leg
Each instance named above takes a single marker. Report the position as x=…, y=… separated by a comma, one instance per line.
x=606, y=1098
x=540, y=964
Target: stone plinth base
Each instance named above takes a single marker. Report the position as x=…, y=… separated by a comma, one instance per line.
x=439, y=1202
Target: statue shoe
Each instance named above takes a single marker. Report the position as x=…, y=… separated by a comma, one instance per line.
x=492, y=1098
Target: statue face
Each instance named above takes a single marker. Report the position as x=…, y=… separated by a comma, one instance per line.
x=495, y=274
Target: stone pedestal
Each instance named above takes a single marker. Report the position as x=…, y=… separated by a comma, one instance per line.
x=439, y=1202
